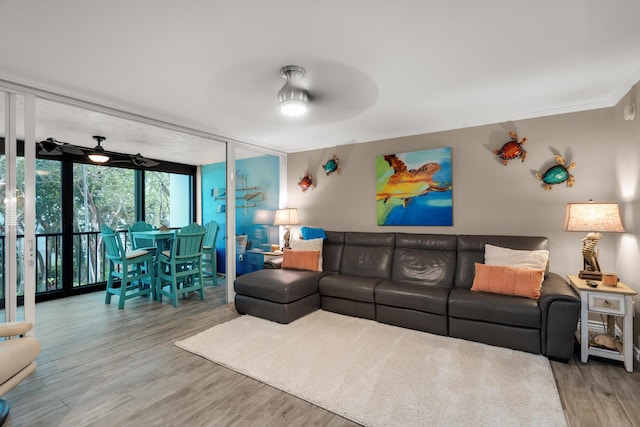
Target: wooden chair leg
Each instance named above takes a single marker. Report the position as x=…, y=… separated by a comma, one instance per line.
x=152, y=283
x=174, y=291
x=123, y=290
x=200, y=278
x=107, y=297
x=214, y=267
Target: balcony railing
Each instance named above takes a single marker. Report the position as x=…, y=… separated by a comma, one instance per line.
x=89, y=262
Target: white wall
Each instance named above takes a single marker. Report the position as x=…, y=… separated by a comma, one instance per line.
x=626, y=148
x=489, y=198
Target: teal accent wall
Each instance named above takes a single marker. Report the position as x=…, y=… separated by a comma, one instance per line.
x=263, y=173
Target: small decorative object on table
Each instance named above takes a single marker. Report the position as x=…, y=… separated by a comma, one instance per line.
x=610, y=279
x=306, y=182
x=512, y=149
x=332, y=165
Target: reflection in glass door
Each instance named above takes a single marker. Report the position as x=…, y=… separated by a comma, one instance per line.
x=257, y=196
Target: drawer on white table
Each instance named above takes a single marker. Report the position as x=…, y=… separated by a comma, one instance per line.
x=611, y=304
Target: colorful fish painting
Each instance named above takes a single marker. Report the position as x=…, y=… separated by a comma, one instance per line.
x=415, y=188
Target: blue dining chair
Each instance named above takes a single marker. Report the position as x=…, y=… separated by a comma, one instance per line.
x=180, y=267
x=209, y=263
x=140, y=242
x=134, y=269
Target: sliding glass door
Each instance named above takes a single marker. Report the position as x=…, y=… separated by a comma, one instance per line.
x=17, y=182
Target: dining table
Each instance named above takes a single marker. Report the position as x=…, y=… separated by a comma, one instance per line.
x=160, y=238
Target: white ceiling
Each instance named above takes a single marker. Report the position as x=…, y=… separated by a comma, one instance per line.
x=375, y=69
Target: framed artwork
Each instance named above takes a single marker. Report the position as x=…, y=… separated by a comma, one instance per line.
x=415, y=188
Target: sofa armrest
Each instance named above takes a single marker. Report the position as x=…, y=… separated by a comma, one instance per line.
x=560, y=308
x=555, y=288
x=273, y=263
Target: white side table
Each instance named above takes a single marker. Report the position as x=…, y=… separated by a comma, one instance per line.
x=610, y=301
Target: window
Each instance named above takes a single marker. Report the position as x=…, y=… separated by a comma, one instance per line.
x=102, y=195
x=168, y=199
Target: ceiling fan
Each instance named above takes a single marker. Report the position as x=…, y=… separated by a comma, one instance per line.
x=53, y=147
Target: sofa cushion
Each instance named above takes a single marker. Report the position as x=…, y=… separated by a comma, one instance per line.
x=301, y=260
x=309, y=245
x=348, y=287
x=308, y=233
x=368, y=254
x=425, y=258
x=500, y=279
x=496, y=255
x=281, y=286
x=332, y=251
x=416, y=296
x=471, y=250
x=494, y=308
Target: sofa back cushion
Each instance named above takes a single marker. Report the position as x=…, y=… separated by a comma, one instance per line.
x=332, y=251
x=428, y=259
x=471, y=250
x=368, y=254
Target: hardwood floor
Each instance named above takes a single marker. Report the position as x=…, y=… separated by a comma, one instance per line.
x=107, y=367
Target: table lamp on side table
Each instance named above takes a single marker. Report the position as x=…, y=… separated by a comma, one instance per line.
x=286, y=217
x=595, y=218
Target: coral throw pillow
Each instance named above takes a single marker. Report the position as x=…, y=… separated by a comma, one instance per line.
x=301, y=260
x=309, y=245
x=498, y=279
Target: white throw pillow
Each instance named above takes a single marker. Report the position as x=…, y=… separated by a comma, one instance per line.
x=309, y=245
x=496, y=255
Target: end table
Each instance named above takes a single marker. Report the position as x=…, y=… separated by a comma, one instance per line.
x=612, y=301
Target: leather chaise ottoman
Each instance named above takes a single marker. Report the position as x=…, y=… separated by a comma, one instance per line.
x=280, y=295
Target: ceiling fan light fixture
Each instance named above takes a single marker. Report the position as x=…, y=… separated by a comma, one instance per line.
x=293, y=107
x=292, y=98
x=98, y=155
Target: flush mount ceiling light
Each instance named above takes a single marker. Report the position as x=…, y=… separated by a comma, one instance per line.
x=98, y=155
x=293, y=99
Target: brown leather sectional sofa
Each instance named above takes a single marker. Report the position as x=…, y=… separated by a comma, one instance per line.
x=422, y=282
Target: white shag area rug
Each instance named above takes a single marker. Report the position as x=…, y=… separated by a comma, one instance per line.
x=381, y=375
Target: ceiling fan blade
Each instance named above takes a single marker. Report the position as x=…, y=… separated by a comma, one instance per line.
x=148, y=163
x=43, y=151
x=53, y=147
x=71, y=149
x=140, y=160
x=48, y=145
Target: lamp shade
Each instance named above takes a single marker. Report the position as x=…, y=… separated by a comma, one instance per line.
x=597, y=217
x=263, y=217
x=286, y=216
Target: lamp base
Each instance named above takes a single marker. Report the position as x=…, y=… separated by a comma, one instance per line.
x=590, y=275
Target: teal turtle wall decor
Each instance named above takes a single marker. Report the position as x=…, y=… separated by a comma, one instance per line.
x=557, y=174
x=332, y=165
